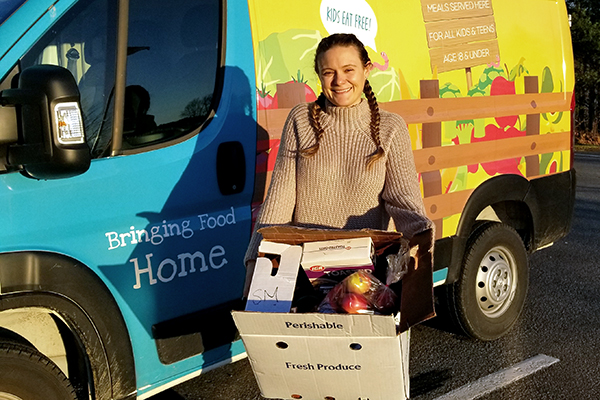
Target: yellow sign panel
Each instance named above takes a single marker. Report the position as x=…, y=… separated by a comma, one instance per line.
x=448, y=33
x=436, y=10
x=464, y=55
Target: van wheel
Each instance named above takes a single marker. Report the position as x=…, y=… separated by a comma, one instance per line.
x=490, y=293
x=27, y=374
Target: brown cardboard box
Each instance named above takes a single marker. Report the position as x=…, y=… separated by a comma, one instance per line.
x=337, y=355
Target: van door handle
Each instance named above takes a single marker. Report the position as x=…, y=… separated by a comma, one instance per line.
x=231, y=167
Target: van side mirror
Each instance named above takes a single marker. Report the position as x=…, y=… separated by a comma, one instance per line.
x=51, y=139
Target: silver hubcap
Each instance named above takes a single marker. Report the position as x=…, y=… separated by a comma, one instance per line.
x=496, y=282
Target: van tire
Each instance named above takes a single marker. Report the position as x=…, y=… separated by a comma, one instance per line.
x=27, y=374
x=487, y=299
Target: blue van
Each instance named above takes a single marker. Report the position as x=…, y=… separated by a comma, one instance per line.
x=122, y=246
x=137, y=138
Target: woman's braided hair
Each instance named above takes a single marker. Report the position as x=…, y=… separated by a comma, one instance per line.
x=315, y=108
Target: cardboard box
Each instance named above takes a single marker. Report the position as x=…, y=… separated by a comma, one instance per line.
x=417, y=285
x=332, y=256
x=337, y=356
x=322, y=356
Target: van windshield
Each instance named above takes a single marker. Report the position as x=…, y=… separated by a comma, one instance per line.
x=8, y=7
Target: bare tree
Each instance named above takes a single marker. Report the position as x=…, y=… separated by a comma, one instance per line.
x=198, y=107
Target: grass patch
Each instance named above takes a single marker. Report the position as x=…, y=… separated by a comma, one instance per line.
x=587, y=148
x=587, y=142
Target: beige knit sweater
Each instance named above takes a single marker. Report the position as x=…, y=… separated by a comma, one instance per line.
x=334, y=188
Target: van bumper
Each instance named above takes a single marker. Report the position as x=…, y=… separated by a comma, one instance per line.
x=551, y=200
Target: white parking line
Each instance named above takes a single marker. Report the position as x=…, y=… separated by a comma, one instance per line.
x=497, y=380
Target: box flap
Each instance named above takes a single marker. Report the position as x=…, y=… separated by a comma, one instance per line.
x=416, y=303
x=298, y=235
x=274, y=293
x=268, y=247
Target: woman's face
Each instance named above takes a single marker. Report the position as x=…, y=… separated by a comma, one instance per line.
x=343, y=75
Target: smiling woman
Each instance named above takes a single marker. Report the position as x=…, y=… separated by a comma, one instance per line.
x=343, y=66
x=343, y=163
x=343, y=75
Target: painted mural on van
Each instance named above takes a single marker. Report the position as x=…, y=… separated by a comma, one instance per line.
x=479, y=100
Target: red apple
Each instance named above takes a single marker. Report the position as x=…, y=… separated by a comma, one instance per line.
x=354, y=303
x=359, y=282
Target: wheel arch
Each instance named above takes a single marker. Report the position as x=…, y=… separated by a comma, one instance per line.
x=502, y=199
x=87, y=316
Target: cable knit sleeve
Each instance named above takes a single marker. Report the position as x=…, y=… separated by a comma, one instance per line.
x=402, y=194
x=279, y=204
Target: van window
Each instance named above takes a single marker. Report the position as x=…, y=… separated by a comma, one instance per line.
x=172, y=65
x=83, y=41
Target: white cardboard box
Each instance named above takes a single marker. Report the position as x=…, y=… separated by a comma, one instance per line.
x=345, y=357
x=296, y=355
x=322, y=257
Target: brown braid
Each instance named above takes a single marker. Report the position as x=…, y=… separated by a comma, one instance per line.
x=375, y=121
x=314, y=110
